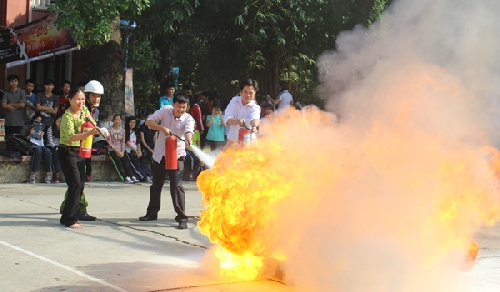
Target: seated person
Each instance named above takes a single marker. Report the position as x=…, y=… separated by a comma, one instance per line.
x=133, y=151
x=117, y=139
x=148, y=138
x=34, y=133
x=53, y=135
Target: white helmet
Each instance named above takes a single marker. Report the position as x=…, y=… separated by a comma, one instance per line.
x=94, y=86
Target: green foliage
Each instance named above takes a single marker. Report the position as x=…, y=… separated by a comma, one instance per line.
x=159, y=26
x=145, y=60
x=90, y=21
x=214, y=42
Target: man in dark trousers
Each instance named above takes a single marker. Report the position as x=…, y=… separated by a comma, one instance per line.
x=167, y=120
x=13, y=102
x=47, y=104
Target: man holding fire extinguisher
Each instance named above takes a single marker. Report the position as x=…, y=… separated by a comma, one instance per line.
x=176, y=128
x=242, y=112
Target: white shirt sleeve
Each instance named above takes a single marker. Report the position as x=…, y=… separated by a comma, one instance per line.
x=229, y=113
x=255, y=112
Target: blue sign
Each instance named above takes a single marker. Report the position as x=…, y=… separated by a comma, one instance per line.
x=174, y=71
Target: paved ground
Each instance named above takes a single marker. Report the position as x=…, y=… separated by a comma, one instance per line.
x=120, y=253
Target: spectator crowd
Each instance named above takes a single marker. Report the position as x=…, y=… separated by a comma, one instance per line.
x=49, y=126
x=37, y=118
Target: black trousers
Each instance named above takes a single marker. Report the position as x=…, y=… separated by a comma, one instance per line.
x=88, y=166
x=121, y=164
x=73, y=168
x=139, y=166
x=56, y=168
x=176, y=189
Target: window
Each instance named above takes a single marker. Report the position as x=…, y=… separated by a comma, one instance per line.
x=49, y=68
x=42, y=4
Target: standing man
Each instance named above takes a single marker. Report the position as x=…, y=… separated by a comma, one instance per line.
x=186, y=89
x=47, y=104
x=30, y=108
x=172, y=119
x=13, y=102
x=284, y=99
x=242, y=111
x=63, y=99
x=168, y=98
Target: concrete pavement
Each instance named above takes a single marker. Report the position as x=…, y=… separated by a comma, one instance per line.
x=120, y=253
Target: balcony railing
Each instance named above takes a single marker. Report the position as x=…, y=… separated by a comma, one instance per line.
x=43, y=4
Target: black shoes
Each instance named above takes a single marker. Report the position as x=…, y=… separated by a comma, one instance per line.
x=86, y=217
x=148, y=218
x=182, y=225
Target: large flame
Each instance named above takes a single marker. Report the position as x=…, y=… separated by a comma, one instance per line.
x=397, y=190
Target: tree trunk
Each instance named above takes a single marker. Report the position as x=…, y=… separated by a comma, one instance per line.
x=105, y=64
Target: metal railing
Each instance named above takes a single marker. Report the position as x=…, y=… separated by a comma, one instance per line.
x=41, y=3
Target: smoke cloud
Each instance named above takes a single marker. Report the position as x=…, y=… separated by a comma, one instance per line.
x=408, y=179
x=384, y=191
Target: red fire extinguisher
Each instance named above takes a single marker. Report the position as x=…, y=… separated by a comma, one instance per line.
x=86, y=144
x=244, y=136
x=171, y=153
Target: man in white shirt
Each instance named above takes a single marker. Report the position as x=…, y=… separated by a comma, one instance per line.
x=242, y=111
x=171, y=119
x=285, y=99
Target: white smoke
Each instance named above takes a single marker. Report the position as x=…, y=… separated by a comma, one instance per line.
x=457, y=36
x=417, y=94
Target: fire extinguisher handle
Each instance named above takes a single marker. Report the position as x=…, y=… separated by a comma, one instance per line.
x=176, y=136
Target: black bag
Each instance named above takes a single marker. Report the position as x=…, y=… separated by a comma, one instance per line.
x=100, y=148
x=11, y=154
x=18, y=143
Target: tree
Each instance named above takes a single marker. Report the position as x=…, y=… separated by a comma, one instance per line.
x=282, y=39
x=214, y=42
x=158, y=27
x=95, y=27
x=269, y=40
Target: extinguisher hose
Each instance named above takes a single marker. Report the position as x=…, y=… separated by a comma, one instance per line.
x=176, y=136
x=105, y=139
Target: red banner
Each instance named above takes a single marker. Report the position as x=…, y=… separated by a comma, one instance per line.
x=33, y=41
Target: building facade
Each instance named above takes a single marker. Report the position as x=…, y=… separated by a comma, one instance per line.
x=14, y=13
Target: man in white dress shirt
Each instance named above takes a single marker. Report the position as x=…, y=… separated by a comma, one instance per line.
x=166, y=120
x=242, y=111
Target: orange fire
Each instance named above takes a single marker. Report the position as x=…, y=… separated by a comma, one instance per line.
x=394, y=187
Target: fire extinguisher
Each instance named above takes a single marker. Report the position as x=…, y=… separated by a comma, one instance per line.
x=86, y=144
x=171, y=153
x=244, y=136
